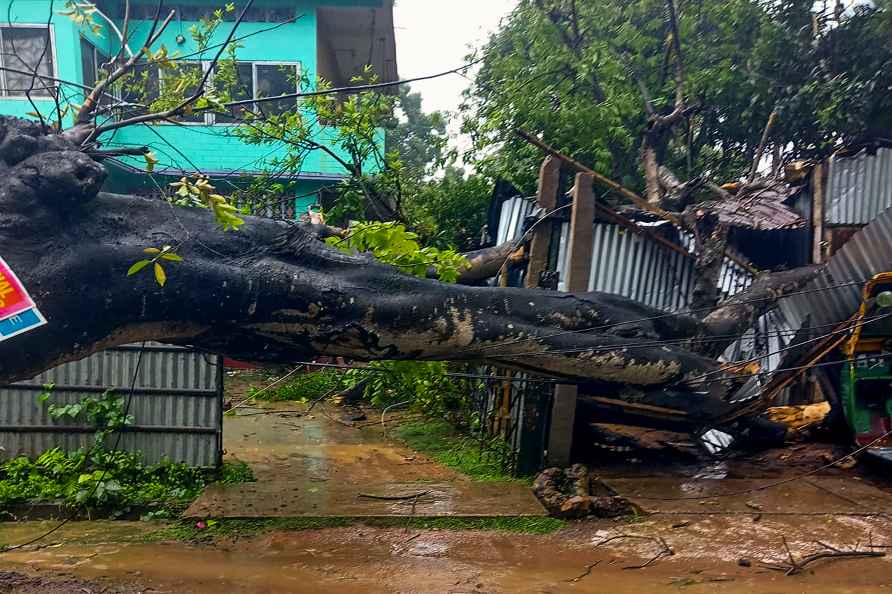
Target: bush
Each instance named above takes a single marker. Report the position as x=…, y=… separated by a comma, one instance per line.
x=112, y=481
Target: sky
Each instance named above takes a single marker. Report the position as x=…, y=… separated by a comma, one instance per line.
x=435, y=36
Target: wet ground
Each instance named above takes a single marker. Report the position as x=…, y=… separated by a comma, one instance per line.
x=318, y=465
x=716, y=528
x=706, y=556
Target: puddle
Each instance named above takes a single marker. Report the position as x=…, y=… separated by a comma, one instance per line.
x=380, y=560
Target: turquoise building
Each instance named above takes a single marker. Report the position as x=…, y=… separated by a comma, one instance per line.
x=280, y=43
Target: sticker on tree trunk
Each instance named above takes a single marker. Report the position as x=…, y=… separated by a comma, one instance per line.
x=21, y=323
x=18, y=313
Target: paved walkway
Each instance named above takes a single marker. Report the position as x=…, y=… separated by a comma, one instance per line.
x=313, y=466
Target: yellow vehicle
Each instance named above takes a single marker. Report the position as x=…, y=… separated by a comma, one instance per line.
x=866, y=381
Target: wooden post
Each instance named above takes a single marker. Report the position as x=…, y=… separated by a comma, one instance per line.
x=579, y=266
x=549, y=181
x=582, y=234
x=817, y=214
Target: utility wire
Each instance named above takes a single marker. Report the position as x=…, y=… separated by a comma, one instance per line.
x=663, y=316
x=850, y=327
x=673, y=341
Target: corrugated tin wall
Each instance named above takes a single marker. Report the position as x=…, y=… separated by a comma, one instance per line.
x=627, y=264
x=176, y=405
x=633, y=266
x=511, y=219
x=859, y=188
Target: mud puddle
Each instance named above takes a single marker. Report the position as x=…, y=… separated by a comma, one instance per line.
x=360, y=559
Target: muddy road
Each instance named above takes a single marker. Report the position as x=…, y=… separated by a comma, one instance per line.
x=707, y=556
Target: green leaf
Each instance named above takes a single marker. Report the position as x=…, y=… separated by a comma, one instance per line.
x=150, y=160
x=160, y=275
x=138, y=266
x=172, y=257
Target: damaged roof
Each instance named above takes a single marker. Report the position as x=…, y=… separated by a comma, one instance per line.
x=762, y=209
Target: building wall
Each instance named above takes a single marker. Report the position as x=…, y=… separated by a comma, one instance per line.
x=66, y=50
x=214, y=149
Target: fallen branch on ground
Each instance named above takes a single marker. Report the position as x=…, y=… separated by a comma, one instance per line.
x=586, y=573
x=794, y=567
x=394, y=497
x=665, y=549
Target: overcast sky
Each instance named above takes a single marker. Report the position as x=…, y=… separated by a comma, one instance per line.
x=435, y=36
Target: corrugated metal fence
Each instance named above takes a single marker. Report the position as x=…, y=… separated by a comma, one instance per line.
x=628, y=264
x=177, y=405
x=859, y=188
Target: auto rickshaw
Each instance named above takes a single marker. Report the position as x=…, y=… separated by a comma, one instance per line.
x=866, y=380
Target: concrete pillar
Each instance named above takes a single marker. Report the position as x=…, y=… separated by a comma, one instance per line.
x=549, y=182
x=579, y=265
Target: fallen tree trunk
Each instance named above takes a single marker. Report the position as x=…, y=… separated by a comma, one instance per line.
x=273, y=292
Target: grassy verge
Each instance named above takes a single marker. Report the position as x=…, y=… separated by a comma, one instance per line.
x=189, y=530
x=302, y=388
x=442, y=442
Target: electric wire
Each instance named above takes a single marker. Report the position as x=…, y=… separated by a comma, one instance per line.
x=666, y=342
x=670, y=314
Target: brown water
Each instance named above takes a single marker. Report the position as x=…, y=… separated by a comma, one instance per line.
x=371, y=560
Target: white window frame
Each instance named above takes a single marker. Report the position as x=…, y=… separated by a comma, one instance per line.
x=254, y=63
x=210, y=117
x=55, y=69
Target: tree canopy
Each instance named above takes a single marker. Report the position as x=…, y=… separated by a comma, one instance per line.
x=579, y=73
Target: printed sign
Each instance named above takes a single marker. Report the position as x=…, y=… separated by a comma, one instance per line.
x=13, y=296
x=18, y=313
x=21, y=323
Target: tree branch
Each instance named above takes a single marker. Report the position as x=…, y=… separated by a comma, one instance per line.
x=92, y=100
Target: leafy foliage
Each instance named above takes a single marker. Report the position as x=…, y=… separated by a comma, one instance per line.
x=202, y=194
x=303, y=388
x=107, y=413
x=480, y=459
x=107, y=480
x=576, y=72
x=450, y=211
x=392, y=244
x=157, y=255
x=100, y=478
x=423, y=383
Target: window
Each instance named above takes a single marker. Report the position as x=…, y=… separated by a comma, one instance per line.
x=258, y=80
x=27, y=49
x=254, y=80
x=273, y=80
x=92, y=61
x=191, y=71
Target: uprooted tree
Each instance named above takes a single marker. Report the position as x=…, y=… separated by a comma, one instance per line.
x=273, y=291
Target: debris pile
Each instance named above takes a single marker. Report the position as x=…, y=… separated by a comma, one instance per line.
x=573, y=493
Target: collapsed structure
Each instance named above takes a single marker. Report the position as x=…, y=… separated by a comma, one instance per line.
x=825, y=342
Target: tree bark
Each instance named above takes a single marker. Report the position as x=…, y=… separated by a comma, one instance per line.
x=274, y=292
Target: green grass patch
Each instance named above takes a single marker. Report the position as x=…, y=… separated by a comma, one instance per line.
x=302, y=388
x=481, y=461
x=211, y=530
